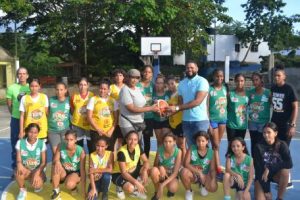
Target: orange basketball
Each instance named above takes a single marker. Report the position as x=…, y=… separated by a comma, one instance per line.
x=162, y=106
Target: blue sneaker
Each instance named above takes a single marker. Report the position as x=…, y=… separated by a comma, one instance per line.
x=22, y=194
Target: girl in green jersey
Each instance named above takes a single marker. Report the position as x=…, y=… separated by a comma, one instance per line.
x=217, y=106
x=199, y=167
x=239, y=170
x=59, y=115
x=31, y=160
x=166, y=167
x=259, y=109
x=237, y=109
x=68, y=166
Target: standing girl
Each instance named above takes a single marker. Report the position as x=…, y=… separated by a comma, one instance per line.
x=237, y=109
x=34, y=109
x=217, y=106
x=175, y=120
x=166, y=167
x=100, y=170
x=31, y=160
x=272, y=163
x=102, y=115
x=160, y=122
x=128, y=173
x=59, y=115
x=199, y=167
x=79, y=113
x=68, y=165
x=239, y=170
x=147, y=86
x=114, y=91
x=259, y=110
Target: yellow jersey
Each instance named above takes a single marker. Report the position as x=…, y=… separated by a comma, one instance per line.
x=35, y=112
x=129, y=163
x=176, y=119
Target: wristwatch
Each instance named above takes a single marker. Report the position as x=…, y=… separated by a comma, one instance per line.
x=292, y=125
x=176, y=108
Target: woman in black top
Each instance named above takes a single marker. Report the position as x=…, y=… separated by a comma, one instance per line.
x=272, y=163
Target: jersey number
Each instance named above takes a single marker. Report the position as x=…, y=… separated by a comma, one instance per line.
x=277, y=103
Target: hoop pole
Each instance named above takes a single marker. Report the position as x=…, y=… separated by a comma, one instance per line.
x=156, y=65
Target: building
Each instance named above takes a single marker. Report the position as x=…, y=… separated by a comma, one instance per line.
x=229, y=45
x=7, y=68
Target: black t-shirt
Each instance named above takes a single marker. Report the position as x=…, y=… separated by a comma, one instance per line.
x=282, y=99
x=275, y=157
x=121, y=156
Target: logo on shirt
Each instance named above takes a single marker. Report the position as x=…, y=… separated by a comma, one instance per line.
x=36, y=114
x=31, y=163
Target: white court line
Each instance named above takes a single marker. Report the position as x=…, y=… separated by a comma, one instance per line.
x=4, y=193
x=4, y=129
x=5, y=177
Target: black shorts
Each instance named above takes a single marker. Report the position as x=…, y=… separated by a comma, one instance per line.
x=161, y=124
x=237, y=187
x=118, y=179
x=178, y=130
x=117, y=132
x=149, y=128
x=68, y=173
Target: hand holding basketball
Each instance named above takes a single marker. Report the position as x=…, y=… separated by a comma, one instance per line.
x=163, y=107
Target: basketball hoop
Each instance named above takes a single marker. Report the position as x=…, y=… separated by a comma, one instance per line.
x=155, y=54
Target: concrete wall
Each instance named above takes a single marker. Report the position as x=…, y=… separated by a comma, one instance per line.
x=225, y=46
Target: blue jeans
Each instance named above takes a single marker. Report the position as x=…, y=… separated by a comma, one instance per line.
x=102, y=185
x=14, y=137
x=190, y=128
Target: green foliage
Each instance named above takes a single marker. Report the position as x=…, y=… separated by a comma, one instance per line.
x=288, y=61
x=114, y=27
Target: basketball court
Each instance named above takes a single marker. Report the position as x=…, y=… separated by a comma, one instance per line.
x=9, y=189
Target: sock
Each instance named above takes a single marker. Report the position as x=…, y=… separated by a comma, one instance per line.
x=227, y=197
x=22, y=189
x=290, y=178
x=56, y=190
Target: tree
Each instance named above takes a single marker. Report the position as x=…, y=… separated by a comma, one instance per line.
x=114, y=27
x=265, y=22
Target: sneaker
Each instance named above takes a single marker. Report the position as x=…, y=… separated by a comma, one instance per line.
x=37, y=190
x=120, y=193
x=189, y=195
x=104, y=196
x=22, y=194
x=203, y=191
x=139, y=195
x=154, y=197
x=290, y=186
x=170, y=194
x=55, y=195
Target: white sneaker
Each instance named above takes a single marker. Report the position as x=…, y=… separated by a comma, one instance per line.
x=22, y=194
x=203, y=191
x=120, y=193
x=139, y=195
x=188, y=195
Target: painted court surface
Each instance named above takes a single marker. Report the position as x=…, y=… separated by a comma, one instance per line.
x=9, y=190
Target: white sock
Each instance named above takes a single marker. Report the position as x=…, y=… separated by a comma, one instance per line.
x=290, y=177
x=56, y=190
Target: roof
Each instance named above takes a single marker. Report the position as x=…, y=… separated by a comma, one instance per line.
x=5, y=55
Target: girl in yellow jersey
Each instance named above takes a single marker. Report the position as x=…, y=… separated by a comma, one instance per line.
x=176, y=119
x=128, y=173
x=101, y=162
x=34, y=109
x=102, y=115
x=114, y=90
x=79, y=113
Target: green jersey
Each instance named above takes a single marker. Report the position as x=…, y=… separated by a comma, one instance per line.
x=168, y=163
x=15, y=92
x=148, y=94
x=243, y=168
x=237, y=111
x=259, y=106
x=59, y=114
x=70, y=164
x=218, y=104
x=31, y=159
x=165, y=97
x=202, y=163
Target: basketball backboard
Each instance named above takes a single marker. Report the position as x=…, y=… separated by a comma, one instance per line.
x=152, y=45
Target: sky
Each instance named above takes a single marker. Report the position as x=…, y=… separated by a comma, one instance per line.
x=237, y=13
